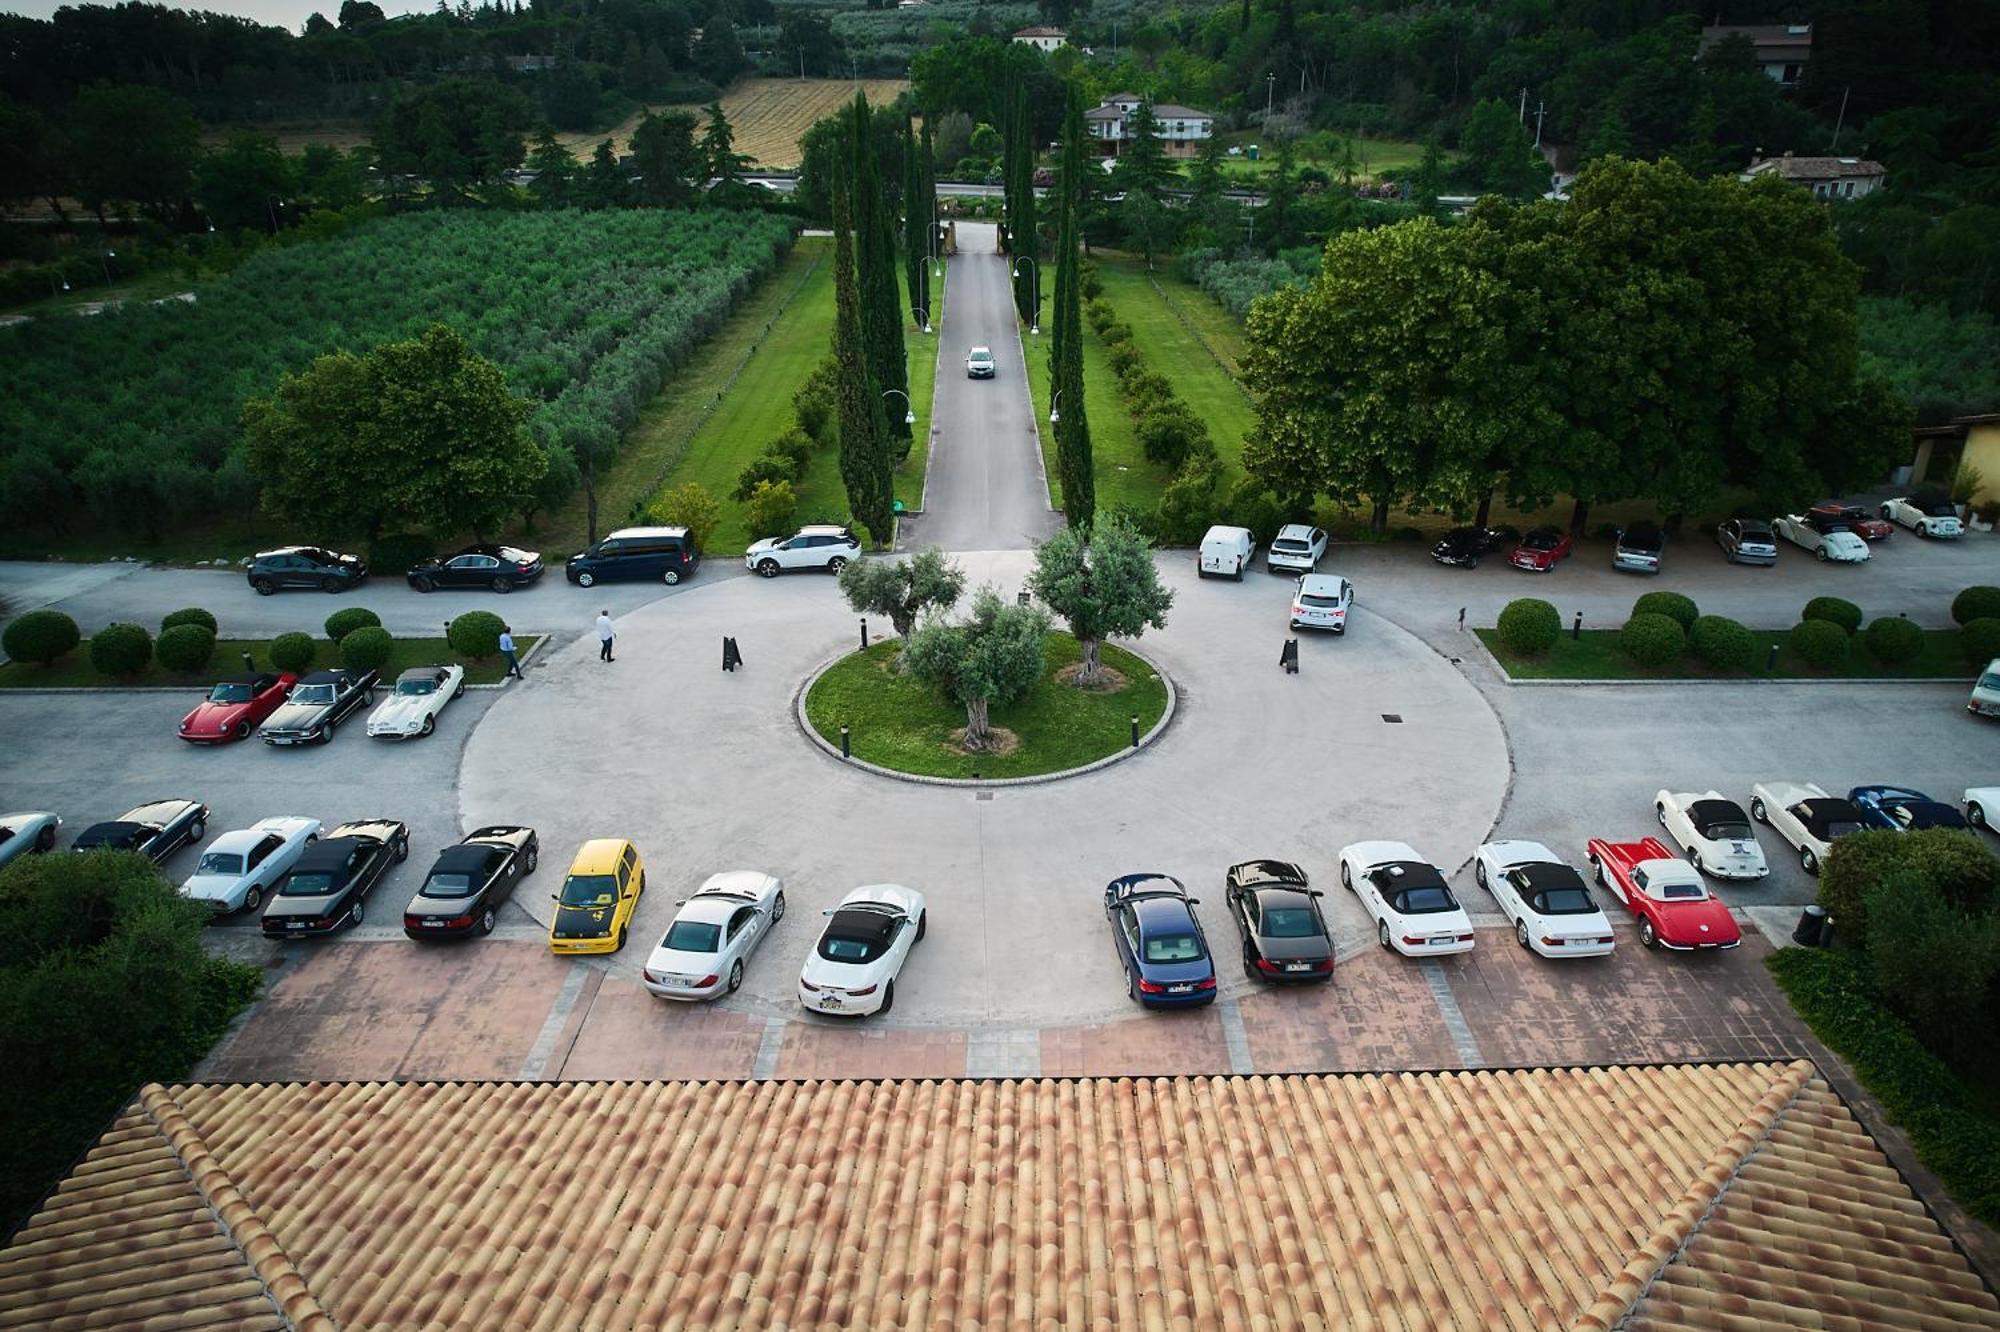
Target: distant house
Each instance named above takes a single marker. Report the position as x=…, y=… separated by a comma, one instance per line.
x=1970, y=439
x=1181, y=128
x=1781, y=49
x=1044, y=40
x=1826, y=177
x=531, y=64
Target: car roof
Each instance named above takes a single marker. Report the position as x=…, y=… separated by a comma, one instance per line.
x=240, y=839
x=733, y=885
x=1416, y=874
x=115, y=828
x=421, y=673
x=646, y=532
x=1321, y=582
x=974, y=351
x=1831, y=807
x=326, y=854
x=465, y=859
x=325, y=677
x=155, y=810
x=1544, y=874
x=599, y=855
x=1303, y=531
x=1707, y=811
x=853, y=923
x=1258, y=873
x=823, y=529
x=1162, y=911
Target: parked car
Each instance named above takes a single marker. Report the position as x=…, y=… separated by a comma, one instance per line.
x=1466, y=546
x=703, y=953
x=155, y=829
x=852, y=969
x=1413, y=908
x=1837, y=545
x=27, y=833
x=305, y=566
x=1714, y=832
x=237, y=706
x=1805, y=816
x=470, y=882
x=979, y=363
x=413, y=706
x=1553, y=914
x=1639, y=548
x=1159, y=941
x=330, y=881
x=666, y=553
x=1297, y=546
x=1747, y=541
x=1541, y=549
x=1227, y=551
x=479, y=568
x=1902, y=810
x=1322, y=601
x=1851, y=517
x=827, y=546
x=317, y=705
x=1277, y=913
x=239, y=867
x=1930, y=515
x=1674, y=907
x=595, y=905
x=1982, y=806
x=1984, y=700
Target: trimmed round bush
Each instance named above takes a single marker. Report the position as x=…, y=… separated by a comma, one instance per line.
x=189, y=615
x=344, y=622
x=1981, y=640
x=475, y=634
x=1820, y=643
x=1833, y=610
x=1652, y=639
x=121, y=649
x=294, y=652
x=41, y=637
x=366, y=648
x=1978, y=602
x=1893, y=640
x=1529, y=625
x=1681, y=610
x=1723, y=643
x=185, y=648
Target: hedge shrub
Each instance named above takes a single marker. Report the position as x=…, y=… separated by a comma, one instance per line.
x=1169, y=432
x=189, y=615
x=1979, y=602
x=1681, y=610
x=1822, y=644
x=185, y=648
x=1833, y=610
x=41, y=636
x=796, y=447
x=1723, y=643
x=1652, y=639
x=344, y=622
x=1252, y=506
x=294, y=652
x=121, y=649
x=690, y=505
x=761, y=469
x=1187, y=505
x=1949, y=864
x=1980, y=641
x=1529, y=625
x=772, y=510
x=1933, y=965
x=475, y=634
x=366, y=648
x=1893, y=640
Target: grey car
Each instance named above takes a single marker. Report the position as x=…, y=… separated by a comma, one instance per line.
x=1747, y=541
x=155, y=829
x=27, y=833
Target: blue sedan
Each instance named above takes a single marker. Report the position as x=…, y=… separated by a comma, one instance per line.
x=1902, y=810
x=1160, y=944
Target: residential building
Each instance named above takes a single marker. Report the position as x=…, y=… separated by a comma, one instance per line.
x=1781, y=49
x=1974, y=440
x=1181, y=128
x=1044, y=40
x=1826, y=177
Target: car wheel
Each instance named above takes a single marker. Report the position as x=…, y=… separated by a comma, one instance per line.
x=1131, y=987
x=735, y=975
x=923, y=924
x=534, y=858
x=778, y=909
x=329, y=585
x=586, y=580
x=888, y=997
x=1346, y=877
x=1975, y=814
x=836, y=564
x=423, y=585
x=767, y=568
x=195, y=831
x=1597, y=871
x=356, y=913
x=263, y=587
x=622, y=932
x=430, y=724
x=46, y=839
x=1479, y=872
x=1660, y=813
x=326, y=731
x=1757, y=811
x=254, y=898
x=1521, y=934
x=1382, y=935
x=486, y=921
x=1694, y=859
x=401, y=848
x=243, y=730
x=1647, y=935
x=1808, y=861
x=460, y=691
x=1820, y=554
x=671, y=577
x=503, y=585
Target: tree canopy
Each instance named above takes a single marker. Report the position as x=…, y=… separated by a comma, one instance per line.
x=992, y=657
x=1102, y=583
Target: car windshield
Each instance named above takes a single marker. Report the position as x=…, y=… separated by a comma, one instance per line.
x=1290, y=923
x=1756, y=532
x=312, y=883
x=319, y=693
x=1939, y=508
x=518, y=556
x=589, y=890
x=693, y=936
x=448, y=885
x=1173, y=948
x=1290, y=543
x=1564, y=902
x=230, y=692
x=1541, y=540
x=1642, y=538
x=219, y=862
x=1990, y=680
x=847, y=948
x=1422, y=901
x=425, y=686
x=1318, y=599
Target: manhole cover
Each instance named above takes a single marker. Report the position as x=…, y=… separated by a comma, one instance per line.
x=983, y=795
x=1393, y=718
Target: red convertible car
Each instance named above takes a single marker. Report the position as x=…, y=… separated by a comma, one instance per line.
x=1833, y=517
x=1674, y=907
x=1540, y=549
x=236, y=707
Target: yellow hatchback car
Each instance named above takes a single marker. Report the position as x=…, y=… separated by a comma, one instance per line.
x=594, y=908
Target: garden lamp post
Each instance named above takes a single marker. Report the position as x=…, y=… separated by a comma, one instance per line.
x=105, y=259
x=1035, y=274
x=272, y=203
x=1054, y=403
x=937, y=270
x=909, y=412
x=923, y=317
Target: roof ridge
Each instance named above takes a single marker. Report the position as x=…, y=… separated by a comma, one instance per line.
x=1659, y=1249
x=240, y=1221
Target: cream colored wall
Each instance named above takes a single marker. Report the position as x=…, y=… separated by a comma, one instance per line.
x=1982, y=450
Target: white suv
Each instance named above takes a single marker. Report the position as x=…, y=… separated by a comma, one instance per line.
x=1322, y=601
x=820, y=546
x=1297, y=546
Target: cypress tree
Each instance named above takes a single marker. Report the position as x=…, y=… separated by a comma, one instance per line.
x=916, y=223
x=1026, y=235
x=1073, y=461
x=875, y=267
x=864, y=452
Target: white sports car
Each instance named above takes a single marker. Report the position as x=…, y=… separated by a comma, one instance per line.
x=1982, y=806
x=852, y=969
x=238, y=868
x=414, y=704
x=1841, y=546
x=1805, y=816
x=1713, y=831
x=701, y=956
x=1552, y=911
x=1926, y=515
x=1414, y=910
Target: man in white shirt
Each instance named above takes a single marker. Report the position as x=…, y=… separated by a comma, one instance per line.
x=507, y=651
x=605, y=633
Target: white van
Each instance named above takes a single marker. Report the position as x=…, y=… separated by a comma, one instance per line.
x=1227, y=550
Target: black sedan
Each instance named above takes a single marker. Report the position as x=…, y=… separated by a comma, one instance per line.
x=316, y=705
x=470, y=882
x=1463, y=546
x=155, y=830
x=1277, y=912
x=328, y=882
x=483, y=568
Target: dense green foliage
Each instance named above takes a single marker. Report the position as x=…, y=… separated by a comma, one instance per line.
x=691, y=506
x=865, y=464
x=771, y=509
x=1674, y=605
x=1101, y=583
x=1933, y=963
x=883, y=313
x=1821, y=643
x=990, y=659
x=1949, y=864
x=1529, y=624
x=189, y=615
x=1946, y=364
x=1652, y=639
x=1833, y=610
x=475, y=634
x=40, y=636
x=1723, y=643
x=349, y=618
x=185, y=648
x=366, y=648
x=1078, y=472
x=1980, y=640
x=905, y=589
x=1893, y=640
x=121, y=649
x=1978, y=602
x=293, y=652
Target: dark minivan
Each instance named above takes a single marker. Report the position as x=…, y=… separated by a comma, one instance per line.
x=665, y=553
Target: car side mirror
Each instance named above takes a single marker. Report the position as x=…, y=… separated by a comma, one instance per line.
x=555, y=897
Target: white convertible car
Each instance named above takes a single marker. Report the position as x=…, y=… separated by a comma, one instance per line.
x=1552, y=911
x=238, y=868
x=413, y=705
x=1413, y=908
x=1982, y=806
x=1840, y=546
x=1805, y=816
x=1926, y=515
x=703, y=952
x=1713, y=831
x=852, y=969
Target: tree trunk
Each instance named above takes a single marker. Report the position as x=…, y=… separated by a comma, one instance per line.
x=1485, y=510
x=1378, y=521
x=1579, y=515
x=978, y=734
x=1090, y=670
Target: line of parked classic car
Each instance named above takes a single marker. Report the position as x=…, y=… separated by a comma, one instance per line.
x=283, y=709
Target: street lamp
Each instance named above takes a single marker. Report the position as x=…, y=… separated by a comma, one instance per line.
x=1270, y=86
x=105, y=259
x=272, y=203
x=923, y=317
x=909, y=412
x=1035, y=272
x=1055, y=402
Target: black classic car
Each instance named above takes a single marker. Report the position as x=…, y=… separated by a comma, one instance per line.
x=317, y=704
x=1463, y=546
x=331, y=878
x=469, y=883
x=155, y=830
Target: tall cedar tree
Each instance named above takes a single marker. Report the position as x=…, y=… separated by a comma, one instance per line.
x=668, y=161
x=864, y=452
x=1073, y=462
x=916, y=245
x=1025, y=229
x=882, y=314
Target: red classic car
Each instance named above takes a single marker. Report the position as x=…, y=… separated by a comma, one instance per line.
x=1834, y=517
x=1540, y=549
x=236, y=706
x=1674, y=907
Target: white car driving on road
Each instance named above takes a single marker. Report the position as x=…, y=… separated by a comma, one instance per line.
x=1413, y=908
x=1805, y=816
x=979, y=363
x=703, y=953
x=1840, y=546
x=1297, y=547
x=1322, y=601
x=853, y=966
x=1546, y=901
x=1714, y=833
x=413, y=706
x=827, y=546
x=1926, y=515
x=238, y=868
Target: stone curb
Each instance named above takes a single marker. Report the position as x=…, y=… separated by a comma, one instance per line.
x=158, y=690
x=832, y=750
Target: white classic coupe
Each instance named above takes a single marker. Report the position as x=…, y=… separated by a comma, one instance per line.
x=238, y=868
x=413, y=706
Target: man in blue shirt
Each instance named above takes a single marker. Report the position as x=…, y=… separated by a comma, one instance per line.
x=507, y=651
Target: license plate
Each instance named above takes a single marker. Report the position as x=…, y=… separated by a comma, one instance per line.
x=1298, y=966
x=829, y=1001
x=1438, y=940
x=1179, y=989
x=297, y=927
x=433, y=924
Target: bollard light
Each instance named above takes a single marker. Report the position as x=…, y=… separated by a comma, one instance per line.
x=1135, y=732
x=1771, y=660
x=1576, y=629
x=248, y=664
x=846, y=750
x=864, y=635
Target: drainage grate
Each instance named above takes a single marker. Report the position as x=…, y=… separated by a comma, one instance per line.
x=1393, y=718
x=982, y=795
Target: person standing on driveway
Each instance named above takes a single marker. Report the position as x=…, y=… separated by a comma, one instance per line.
x=507, y=651
x=605, y=633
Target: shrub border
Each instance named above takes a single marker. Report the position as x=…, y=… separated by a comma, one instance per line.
x=1508, y=678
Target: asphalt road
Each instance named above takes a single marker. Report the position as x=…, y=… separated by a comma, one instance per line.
x=985, y=489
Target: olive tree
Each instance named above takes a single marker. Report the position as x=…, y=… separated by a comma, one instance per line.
x=1101, y=582
x=903, y=589
x=993, y=657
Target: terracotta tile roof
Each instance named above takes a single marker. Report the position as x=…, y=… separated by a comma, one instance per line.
x=1818, y=168
x=1488, y=1200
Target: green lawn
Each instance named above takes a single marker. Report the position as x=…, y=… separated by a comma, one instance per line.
x=897, y=722
x=1375, y=158
x=1182, y=353
x=1123, y=473
x=1596, y=656
x=75, y=670
x=149, y=286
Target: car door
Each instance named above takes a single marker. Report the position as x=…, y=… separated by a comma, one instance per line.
x=741, y=934
x=255, y=871
x=505, y=876
x=1791, y=825
x=1248, y=915
x=370, y=861
x=1125, y=940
